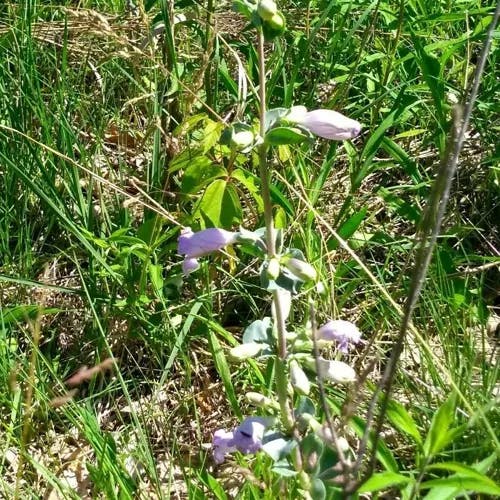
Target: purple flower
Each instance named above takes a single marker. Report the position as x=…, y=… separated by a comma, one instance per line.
x=343, y=332
x=246, y=438
x=325, y=123
x=194, y=245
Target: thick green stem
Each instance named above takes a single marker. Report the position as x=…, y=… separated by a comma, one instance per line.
x=281, y=378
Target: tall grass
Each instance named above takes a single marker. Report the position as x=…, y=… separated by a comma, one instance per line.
x=105, y=114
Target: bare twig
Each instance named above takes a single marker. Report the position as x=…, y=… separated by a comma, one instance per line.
x=429, y=232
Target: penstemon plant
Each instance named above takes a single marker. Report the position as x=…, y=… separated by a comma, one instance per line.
x=288, y=429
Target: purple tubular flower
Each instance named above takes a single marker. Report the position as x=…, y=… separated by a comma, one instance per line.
x=246, y=438
x=343, y=332
x=325, y=123
x=194, y=245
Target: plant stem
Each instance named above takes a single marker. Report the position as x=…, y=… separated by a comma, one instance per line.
x=281, y=380
x=28, y=403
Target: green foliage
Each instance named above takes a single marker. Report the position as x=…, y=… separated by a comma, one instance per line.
x=111, y=135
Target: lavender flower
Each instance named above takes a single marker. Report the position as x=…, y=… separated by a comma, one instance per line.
x=325, y=123
x=194, y=245
x=246, y=438
x=343, y=332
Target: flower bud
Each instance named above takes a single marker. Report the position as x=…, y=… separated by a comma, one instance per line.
x=267, y=9
x=242, y=140
x=245, y=351
x=301, y=269
x=260, y=401
x=299, y=379
x=336, y=371
x=276, y=22
x=273, y=268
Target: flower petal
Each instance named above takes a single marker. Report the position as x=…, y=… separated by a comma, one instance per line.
x=204, y=242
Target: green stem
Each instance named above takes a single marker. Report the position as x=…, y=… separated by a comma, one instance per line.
x=281, y=378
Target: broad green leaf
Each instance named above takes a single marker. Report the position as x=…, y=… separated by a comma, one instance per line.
x=212, y=201
x=258, y=331
x=211, y=134
x=279, y=448
x=403, y=421
x=232, y=212
x=437, y=437
x=383, y=480
x=464, y=483
x=280, y=136
x=249, y=182
x=199, y=173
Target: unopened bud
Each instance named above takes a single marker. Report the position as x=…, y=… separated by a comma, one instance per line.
x=242, y=140
x=303, y=270
x=260, y=401
x=277, y=22
x=336, y=371
x=267, y=9
x=245, y=351
x=299, y=379
x=273, y=268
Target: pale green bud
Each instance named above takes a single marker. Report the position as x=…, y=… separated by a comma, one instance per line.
x=277, y=22
x=273, y=268
x=245, y=351
x=242, y=139
x=260, y=401
x=267, y=9
x=299, y=379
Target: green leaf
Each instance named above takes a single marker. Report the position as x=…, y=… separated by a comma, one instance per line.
x=280, y=136
x=211, y=134
x=259, y=330
x=402, y=420
x=402, y=157
x=462, y=470
x=464, y=483
x=249, y=182
x=224, y=372
x=383, y=480
x=156, y=276
x=279, y=448
x=272, y=116
x=438, y=435
x=318, y=489
x=199, y=173
x=16, y=314
x=401, y=207
x=220, y=204
x=348, y=228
